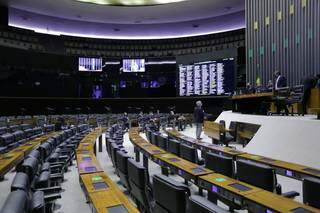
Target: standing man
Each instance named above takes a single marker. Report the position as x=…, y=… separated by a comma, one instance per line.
x=280, y=81
x=198, y=118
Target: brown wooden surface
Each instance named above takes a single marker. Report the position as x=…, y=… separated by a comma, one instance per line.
x=224, y=182
x=276, y=202
x=182, y=164
x=82, y=164
x=14, y=157
x=143, y=144
x=104, y=198
x=278, y=163
x=255, y=95
x=213, y=129
x=314, y=101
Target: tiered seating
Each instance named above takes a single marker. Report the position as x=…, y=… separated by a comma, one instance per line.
x=15, y=135
x=235, y=193
x=37, y=183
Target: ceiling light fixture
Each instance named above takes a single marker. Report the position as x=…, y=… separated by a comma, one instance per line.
x=130, y=2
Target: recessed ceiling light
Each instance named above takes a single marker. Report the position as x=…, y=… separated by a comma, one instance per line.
x=130, y=2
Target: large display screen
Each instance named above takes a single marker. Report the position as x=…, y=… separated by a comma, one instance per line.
x=90, y=64
x=134, y=65
x=207, y=78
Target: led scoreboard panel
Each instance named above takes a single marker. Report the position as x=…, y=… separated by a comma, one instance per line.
x=207, y=78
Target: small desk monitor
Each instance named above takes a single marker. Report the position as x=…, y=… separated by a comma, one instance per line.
x=117, y=209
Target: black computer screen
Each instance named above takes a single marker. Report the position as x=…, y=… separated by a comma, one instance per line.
x=207, y=78
x=188, y=153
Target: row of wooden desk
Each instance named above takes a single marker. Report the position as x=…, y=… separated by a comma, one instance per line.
x=291, y=170
x=11, y=159
x=247, y=196
x=103, y=194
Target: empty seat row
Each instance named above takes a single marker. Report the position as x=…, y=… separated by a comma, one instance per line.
x=9, y=141
x=162, y=195
x=175, y=147
x=256, y=174
x=37, y=183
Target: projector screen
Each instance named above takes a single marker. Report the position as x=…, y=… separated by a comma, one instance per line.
x=207, y=78
x=134, y=65
x=90, y=64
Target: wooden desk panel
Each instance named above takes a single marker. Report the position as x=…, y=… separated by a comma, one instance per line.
x=105, y=198
x=14, y=157
x=254, y=95
x=267, y=202
x=224, y=182
x=314, y=101
x=88, y=163
x=183, y=165
x=284, y=168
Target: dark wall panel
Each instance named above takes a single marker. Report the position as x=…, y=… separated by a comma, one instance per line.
x=4, y=16
x=282, y=36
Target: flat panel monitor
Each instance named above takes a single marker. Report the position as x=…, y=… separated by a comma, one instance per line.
x=207, y=78
x=90, y=64
x=134, y=65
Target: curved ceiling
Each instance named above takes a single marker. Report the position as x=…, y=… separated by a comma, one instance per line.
x=179, y=19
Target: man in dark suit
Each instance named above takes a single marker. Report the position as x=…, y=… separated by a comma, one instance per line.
x=198, y=118
x=280, y=81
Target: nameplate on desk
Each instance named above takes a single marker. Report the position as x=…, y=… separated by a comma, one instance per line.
x=174, y=159
x=99, y=185
x=240, y=187
x=18, y=150
x=117, y=209
x=86, y=158
x=156, y=151
x=90, y=169
x=198, y=170
x=85, y=152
